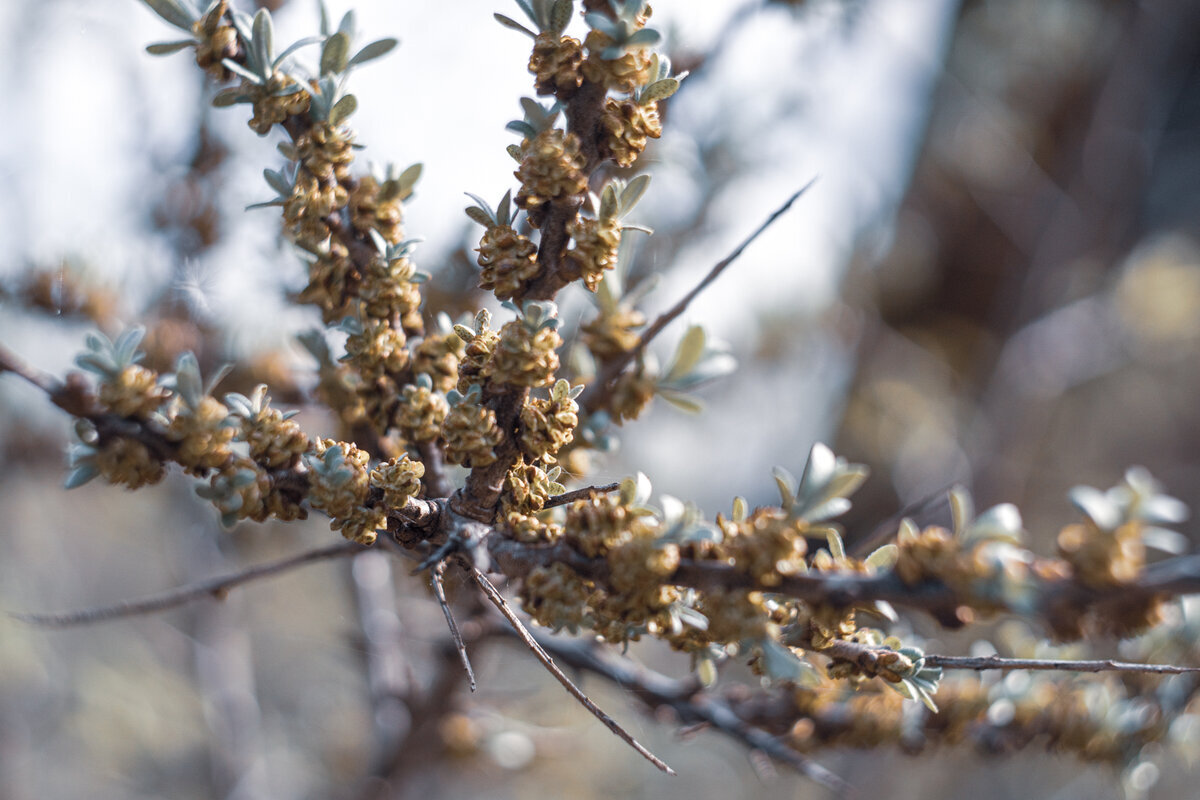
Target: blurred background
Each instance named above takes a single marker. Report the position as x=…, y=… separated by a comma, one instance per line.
x=995, y=280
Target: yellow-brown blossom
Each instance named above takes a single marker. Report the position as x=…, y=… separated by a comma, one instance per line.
x=215, y=42
x=555, y=64
x=470, y=431
x=400, y=480
x=437, y=356
x=326, y=151
x=133, y=392
x=613, y=333
x=128, y=463
x=371, y=208
x=270, y=107
x=627, y=126
x=508, y=261
x=622, y=74
x=475, y=358
x=632, y=393
x=420, y=413
x=547, y=426
x=551, y=168
x=596, y=244
x=524, y=357
x=203, y=434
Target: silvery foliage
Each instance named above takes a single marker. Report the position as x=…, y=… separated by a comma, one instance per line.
x=623, y=30
x=697, y=361
x=1138, y=498
x=503, y=216
x=549, y=16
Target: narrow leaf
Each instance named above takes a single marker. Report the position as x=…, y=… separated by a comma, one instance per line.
x=509, y=22
x=373, y=51
x=342, y=109
x=172, y=12
x=166, y=48
x=334, y=54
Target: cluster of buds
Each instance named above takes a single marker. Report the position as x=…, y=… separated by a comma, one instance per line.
x=275, y=441
x=507, y=258
x=340, y=485
x=527, y=353
x=629, y=123
x=375, y=202
x=437, y=356
x=618, y=54
x=480, y=343
x=551, y=164
x=548, y=425
x=400, y=480
x=470, y=430
x=556, y=58
x=422, y=411
x=527, y=487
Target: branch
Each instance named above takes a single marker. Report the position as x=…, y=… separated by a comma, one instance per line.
x=439, y=591
x=595, y=394
x=1047, y=664
x=580, y=494
x=11, y=362
x=493, y=595
x=691, y=704
x=214, y=587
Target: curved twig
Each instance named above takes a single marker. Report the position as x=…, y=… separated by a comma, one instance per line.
x=173, y=598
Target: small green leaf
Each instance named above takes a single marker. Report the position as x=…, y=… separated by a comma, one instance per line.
x=238, y=69
x=342, y=109
x=374, y=50
x=962, y=509
x=509, y=22
x=883, y=558
x=166, y=48
x=229, y=97
x=560, y=16
x=691, y=348
x=477, y=214
x=837, y=548
x=81, y=475
x=659, y=90
x=172, y=12
x=682, y=401
x=334, y=54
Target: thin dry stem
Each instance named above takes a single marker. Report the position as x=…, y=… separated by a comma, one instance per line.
x=1051, y=664
x=213, y=587
x=439, y=591
x=580, y=494
x=594, y=397
x=497, y=599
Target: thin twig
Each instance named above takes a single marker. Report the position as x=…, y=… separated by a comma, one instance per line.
x=493, y=594
x=213, y=587
x=580, y=494
x=439, y=591
x=1101, y=665
x=614, y=368
x=693, y=705
x=11, y=362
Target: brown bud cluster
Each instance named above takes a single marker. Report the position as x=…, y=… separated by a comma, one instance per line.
x=547, y=426
x=129, y=463
x=627, y=127
x=133, y=392
x=551, y=168
x=326, y=152
x=203, y=436
x=622, y=74
x=524, y=357
x=400, y=480
x=471, y=432
x=508, y=260
x=420, y=413
x=613, y=333
x=270, y=107
x=555, y=64
x=372, y=207
x=215, y=42
x=596, y=243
